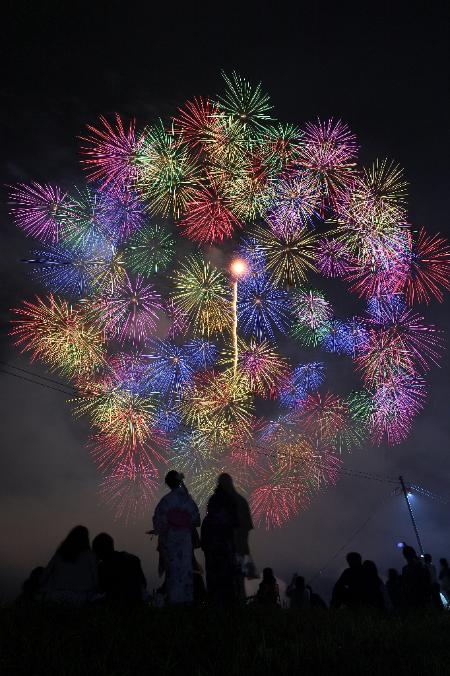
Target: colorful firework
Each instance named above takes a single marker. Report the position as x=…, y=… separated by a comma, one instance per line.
x=196, y=122
x=207, y=218
x=59, y=334
x=329, y=151
x=333, y=258
x=130, y=490
x=288, y=256
x=245, y=103
x=296, y=202
x=202, y=294
x=171, y=368
x=428, y=268
x=111, y=152
x=195, y=361
x=310, y=307
x=132, y=313
x=39, y=210
x=262, y=309
x=216, y=403
x=167, y=174
x=263, y=367
x=149, y=251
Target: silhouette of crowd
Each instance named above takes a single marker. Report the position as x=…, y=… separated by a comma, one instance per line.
x=79, y=574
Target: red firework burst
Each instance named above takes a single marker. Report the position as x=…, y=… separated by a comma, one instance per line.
x=195, y=122
x=428, y=268
x=207, y=218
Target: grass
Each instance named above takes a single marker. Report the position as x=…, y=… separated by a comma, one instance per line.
x=37, y=641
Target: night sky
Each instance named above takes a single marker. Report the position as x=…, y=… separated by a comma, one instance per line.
x=382, y=70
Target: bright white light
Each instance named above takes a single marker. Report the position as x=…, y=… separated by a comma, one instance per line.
x=238, y=267
x=410, y=495
x=400, y=545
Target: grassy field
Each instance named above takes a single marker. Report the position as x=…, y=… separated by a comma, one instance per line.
x=104, y=641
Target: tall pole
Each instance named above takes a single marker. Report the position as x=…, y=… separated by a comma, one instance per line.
x=411, y=514
x=235, y=325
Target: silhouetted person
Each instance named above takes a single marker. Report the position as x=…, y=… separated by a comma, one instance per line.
x=444, y=578
x=416, y=582
x=315, y=601
x=435, y=586
x=242, y=528
x=394, y=587
x=199, y=584
x=348, y=590
x=297, y=593
x=120, y=575
x=268, y=593
x=218, y=543
x=374, y=592
x=71, y=576
x=31, y=588
x=175, y=517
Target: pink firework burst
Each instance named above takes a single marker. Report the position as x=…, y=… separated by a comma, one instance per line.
x=178, y=320
x=384, y=276
x=323, y=418
x=276, y=501
x=395, y=402
x=130, y=490
x=207, y=217
x=39, y=210
x=333, y=257
x=109, y=451
x=428, y=268
x=296, y=201
x=329, y=151
x=110, y=151
x=132, y=312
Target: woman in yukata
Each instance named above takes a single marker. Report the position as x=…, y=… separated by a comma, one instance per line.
x=176, y=516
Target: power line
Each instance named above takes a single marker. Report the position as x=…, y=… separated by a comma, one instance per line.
x=36, y=382
x=35, y=375
x=345, y=471
x=347, y=542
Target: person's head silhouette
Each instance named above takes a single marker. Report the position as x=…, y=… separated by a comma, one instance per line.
x=268, y=575
x=103, y=546
x=174, y=479
x=225, y=482
x=409, y=553
x=76, y=542
x=354, y=559
x=300, y=583
x=427, y=558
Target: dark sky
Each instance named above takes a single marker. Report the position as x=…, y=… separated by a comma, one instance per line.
x=383, y=68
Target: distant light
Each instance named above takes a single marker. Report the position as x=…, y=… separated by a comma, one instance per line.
x=400, y=545
x=410, y=495
x=238, y=267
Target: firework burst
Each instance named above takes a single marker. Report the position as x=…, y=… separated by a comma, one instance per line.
x=39, y=210
x=202, y=293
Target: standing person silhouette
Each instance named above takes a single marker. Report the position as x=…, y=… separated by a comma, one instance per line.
x=224, y=535
x=175, y=517
x=70, y=578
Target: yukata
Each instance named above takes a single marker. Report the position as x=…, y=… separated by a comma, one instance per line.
x=175, y=517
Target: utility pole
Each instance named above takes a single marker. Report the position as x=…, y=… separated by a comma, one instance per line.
x=411, y=514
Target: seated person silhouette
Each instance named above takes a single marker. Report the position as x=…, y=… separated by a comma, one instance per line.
x=120, y=575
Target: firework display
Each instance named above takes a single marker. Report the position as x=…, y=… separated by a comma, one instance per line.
x=183, y=303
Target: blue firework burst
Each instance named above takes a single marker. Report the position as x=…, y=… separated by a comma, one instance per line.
x=262, y=308
x=171, y=367
x=338, y=338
